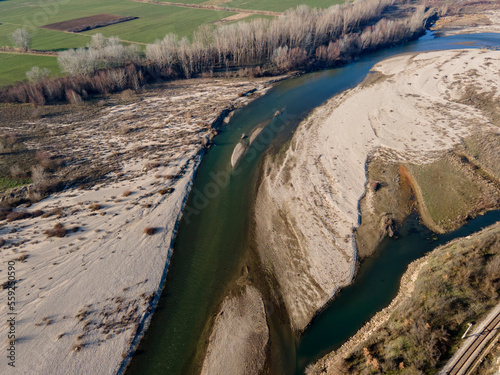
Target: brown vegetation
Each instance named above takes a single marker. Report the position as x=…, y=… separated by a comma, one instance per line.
x=78, y=25
x=166, y=191
x=460, y=285
x=57, y=231
x=94, y=206
x=18, y=215
x=149, y=231
x=74, y=88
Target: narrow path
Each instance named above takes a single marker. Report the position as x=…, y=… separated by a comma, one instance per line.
x=211, y=7
x=466, y=358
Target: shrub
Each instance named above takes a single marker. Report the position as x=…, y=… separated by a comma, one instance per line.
x=166, y=191
x=4, y=211
x=58, y=211
x=126, y=193
x=18, y=215
x=94, y=206
x=36, y=74
x=149, y=231
x=151, y=165
x=17, y=172
x=39, y=177
x=57, y=231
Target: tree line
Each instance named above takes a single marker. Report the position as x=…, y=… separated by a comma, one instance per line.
x=302, y=38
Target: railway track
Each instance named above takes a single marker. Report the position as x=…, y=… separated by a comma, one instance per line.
x=464, y=362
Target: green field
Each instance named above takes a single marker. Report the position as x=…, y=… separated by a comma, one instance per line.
x=269, y=5
x=279, y=5
x=13, y=67
x=153, y=23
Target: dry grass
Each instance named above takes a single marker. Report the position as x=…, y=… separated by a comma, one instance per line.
x=57, y=212
x=18, y=215
x=151, y=165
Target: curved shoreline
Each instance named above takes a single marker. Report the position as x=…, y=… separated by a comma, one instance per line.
x=325, y=167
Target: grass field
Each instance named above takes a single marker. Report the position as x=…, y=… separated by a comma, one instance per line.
x=153, y=23
x=269, y=5
x=13, y=67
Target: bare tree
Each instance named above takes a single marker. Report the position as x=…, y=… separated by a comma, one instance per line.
x=22, y=39
x=36, y=74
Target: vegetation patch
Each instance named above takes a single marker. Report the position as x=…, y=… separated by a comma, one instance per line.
x=451, y=191
x=459, y=285
x=387, y=202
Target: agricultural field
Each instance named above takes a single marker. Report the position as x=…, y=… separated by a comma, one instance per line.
x=13, y=67
x=279, y=5
x=154, y=22
x=274, y=5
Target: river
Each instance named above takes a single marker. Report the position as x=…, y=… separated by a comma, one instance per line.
x=213, y=241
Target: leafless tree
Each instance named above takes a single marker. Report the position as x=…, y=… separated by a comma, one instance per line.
x=22, y=39
x=36, y=74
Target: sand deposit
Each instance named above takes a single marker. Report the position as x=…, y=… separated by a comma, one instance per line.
x=307, y=205
x=83, y=299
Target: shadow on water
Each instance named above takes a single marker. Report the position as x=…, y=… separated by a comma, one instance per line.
x=212, y=239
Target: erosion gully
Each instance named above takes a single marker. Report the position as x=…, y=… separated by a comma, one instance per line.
x=213, y=241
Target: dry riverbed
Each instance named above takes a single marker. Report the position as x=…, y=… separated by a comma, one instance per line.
x=91, y=259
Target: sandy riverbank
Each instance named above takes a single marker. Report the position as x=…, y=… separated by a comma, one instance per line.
x=411, y=109
x=83, y=299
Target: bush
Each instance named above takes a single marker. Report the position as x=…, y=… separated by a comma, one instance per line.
x=57, y=231
x=18, y=215
x=149, y=231
x=94, y=206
